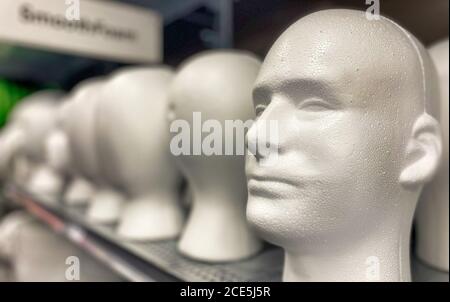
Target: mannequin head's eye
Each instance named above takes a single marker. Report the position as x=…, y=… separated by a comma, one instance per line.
x=259, y=109
x=314, y=104
x=261, y=95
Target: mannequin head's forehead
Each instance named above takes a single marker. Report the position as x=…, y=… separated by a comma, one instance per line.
x=139, y=84
x=43, y=101
x=136, y=75
x=85, y=90
x=217, y=84
x=37, y=110
x=340, y=53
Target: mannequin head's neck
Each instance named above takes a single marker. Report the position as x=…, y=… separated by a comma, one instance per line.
x=380, y=254
x=211, y=180
x=352, y=153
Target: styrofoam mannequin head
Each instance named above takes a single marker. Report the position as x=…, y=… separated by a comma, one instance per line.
x=75, y=123
x=216, y=84
x=133, y=140
x=432, y=213
x=35, y=116
x=19, y=134
x=79, y=190
x=50, y=179
x=13, y=136
x=105, y=203
x=81, y=127
x=8, y=228
x=11, y=140
x=57, y=142
x=355, y=102
x=57, y=156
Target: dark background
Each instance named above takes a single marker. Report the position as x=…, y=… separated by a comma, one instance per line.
x=257, y=23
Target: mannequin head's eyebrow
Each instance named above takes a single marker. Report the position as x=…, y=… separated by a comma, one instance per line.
x=296, y=88
x=261, y=94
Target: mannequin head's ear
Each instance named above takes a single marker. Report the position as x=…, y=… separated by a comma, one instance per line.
x=423, y=152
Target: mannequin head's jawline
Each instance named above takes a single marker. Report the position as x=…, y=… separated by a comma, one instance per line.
x=347, y=94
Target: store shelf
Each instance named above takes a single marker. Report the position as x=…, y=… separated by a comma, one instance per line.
x=153, y=261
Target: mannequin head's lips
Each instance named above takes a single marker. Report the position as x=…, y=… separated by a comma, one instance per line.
x=264, y=189
x=256, y=182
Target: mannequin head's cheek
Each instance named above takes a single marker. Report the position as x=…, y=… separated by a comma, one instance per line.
x=329, y=175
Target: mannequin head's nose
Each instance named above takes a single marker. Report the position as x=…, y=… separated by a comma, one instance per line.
x=262, y=139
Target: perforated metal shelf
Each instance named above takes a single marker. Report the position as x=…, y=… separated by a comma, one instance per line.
x=150, y=261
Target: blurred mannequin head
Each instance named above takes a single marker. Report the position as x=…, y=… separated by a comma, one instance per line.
x=133, y=140
x=217, y=86
x=23, y=140
x=104, y=202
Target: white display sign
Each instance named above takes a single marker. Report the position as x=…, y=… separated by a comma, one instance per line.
x=96, y=29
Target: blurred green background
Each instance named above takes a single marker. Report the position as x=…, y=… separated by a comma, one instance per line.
x=10, y=94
